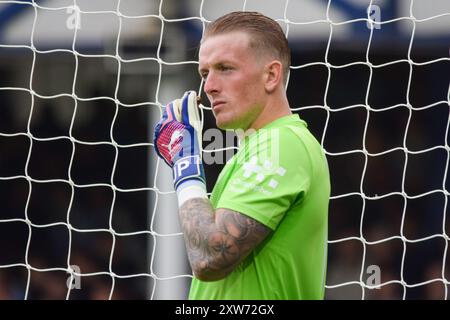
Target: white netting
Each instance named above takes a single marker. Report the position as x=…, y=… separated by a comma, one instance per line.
x=160, y=68
x=442, y=189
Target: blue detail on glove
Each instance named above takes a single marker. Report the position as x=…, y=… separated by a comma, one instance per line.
x=176, y=139
x=188, y=168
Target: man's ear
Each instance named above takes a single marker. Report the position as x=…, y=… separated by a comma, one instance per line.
x=273, y=75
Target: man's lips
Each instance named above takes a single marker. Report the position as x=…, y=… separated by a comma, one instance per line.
x=217, y=104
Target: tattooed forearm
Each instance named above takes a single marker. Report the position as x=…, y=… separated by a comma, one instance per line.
x=217, y=241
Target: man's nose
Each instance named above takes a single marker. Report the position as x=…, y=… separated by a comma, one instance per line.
x=211, y=84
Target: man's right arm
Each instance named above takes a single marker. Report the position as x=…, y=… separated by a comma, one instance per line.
x=217, y=241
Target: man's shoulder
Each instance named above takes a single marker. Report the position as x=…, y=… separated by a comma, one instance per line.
x=271, y=151
x=290, y=140
x=285, y=136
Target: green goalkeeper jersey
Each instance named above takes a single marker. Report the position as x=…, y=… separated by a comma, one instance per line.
x=280, y=178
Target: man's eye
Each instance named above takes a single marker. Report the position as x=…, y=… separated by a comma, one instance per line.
x=204, y=75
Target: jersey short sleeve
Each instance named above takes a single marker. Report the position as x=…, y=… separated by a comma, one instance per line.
x=270, y=173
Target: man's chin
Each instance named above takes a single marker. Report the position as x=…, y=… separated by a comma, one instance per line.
x=224, y=125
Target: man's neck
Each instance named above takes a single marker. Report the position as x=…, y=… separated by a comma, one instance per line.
x=275, y=108
x=273, y=111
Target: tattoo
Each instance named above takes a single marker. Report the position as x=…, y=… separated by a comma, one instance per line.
x=217, y=241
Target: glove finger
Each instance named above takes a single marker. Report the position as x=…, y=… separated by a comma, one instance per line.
x=157, y=132
x=194, y=116
x=176, y=110
x=161, y=123
x=170, y=110
x=193, y=111
x=158, y=128
x=190, y=111
x=185, y=108
x=190, y=114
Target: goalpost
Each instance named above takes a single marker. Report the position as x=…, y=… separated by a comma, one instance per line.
x=90, y=211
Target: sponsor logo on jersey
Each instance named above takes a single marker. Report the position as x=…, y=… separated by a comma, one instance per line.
x=260, y=176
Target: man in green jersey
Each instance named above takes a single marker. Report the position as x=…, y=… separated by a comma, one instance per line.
x=263, y=232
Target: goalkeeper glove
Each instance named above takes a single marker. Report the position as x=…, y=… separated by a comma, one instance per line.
x=177, y=140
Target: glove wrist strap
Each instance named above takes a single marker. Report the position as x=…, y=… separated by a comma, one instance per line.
x=189, y=179
x=191, y=189
x=188, y=168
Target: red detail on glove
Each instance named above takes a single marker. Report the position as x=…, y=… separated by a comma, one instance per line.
x=170, y=140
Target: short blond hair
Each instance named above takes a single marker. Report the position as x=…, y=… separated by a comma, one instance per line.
x=265, y=34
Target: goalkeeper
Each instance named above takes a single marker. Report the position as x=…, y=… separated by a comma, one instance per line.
x=263, y=232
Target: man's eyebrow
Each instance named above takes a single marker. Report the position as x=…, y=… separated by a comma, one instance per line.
x=213, y=65
x=216, y=64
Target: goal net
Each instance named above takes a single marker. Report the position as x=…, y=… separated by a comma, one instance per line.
x=87, y=209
